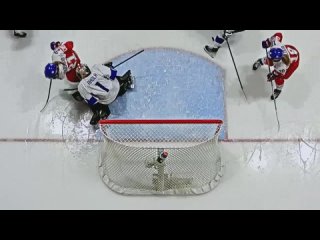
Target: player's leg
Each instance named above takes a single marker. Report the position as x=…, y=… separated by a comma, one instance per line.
x=100, y=111
x=217, y=42
x=260, y=62
x=126, y=82
x=72, y=83
x=279, y=85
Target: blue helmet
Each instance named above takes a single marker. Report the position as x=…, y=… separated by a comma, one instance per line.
x=51, y=71
x=275, y=54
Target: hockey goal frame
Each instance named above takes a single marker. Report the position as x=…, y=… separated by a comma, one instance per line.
x=160, y=179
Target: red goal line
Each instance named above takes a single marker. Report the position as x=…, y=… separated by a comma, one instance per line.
x=161, y=121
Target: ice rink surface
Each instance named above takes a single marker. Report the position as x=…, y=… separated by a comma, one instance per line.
x=48, y=162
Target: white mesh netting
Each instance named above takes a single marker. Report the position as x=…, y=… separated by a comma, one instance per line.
x=131, y=163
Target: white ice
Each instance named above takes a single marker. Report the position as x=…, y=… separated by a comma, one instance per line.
x=265, y=169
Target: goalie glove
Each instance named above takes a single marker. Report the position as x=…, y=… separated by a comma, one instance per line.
x=109, y=65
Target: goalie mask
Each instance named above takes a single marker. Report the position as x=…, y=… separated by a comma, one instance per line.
x=83, y=71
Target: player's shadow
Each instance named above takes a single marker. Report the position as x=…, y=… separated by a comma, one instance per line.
x=20, y=43
x=77, y=110
x=254, y=83
x=296, y=99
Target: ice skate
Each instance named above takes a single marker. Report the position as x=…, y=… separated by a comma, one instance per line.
x=212, y=51
x=100, y=111
x=95, y=119
x=131, y=82
x=257, y=64
x=97, y=116
x=276, y=94
x=19, y=34
x=127, y=79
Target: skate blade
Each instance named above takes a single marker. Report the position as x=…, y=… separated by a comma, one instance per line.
x=132, y=85
x=210, y=53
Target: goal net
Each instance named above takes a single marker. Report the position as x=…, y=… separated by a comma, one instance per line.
x=163, y=157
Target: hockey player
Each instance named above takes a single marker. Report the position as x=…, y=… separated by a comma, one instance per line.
x=219, y=40
x=64, y=63
x=19, y=33
x=283, y=58
x=100, y=86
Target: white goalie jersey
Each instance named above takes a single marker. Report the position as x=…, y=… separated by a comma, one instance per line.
x=101, y=85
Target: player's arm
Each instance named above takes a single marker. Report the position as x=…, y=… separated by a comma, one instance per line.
x=67, y=46
x=90, y=100
x=106, y=72
x=267, y=61
x=274, y=40
x=78, y=60
x=278, y=73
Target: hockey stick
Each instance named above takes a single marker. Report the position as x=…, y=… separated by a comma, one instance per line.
x=73, y=89
x=274, y=99
x=48, y=96
x=235, y=66
x=69, y=89
x=236, y=31
x=128, y=58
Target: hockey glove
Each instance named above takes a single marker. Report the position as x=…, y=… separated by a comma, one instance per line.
x=271, y=77
x=266, y=43
x=109, y=65
x=54, y=45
